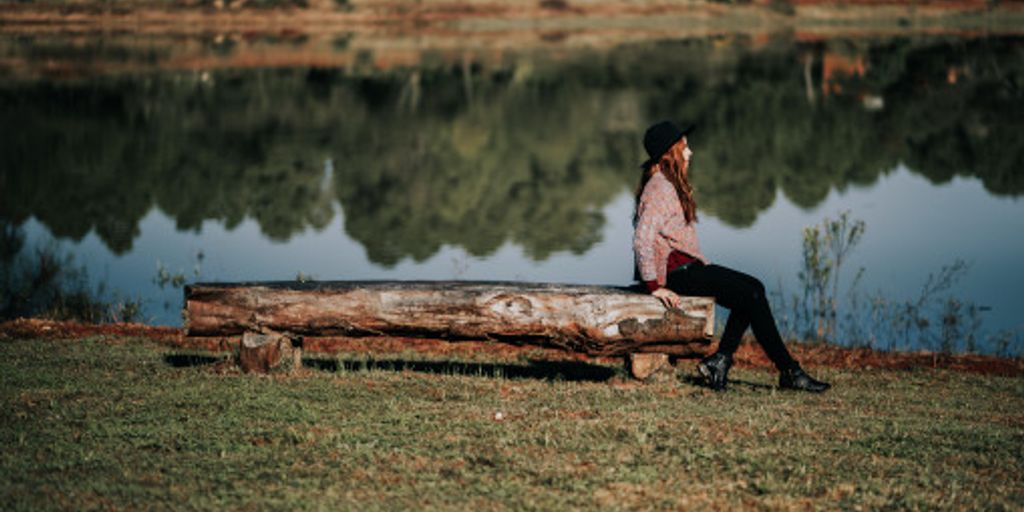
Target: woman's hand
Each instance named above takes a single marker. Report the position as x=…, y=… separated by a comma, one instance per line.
x=667, y=297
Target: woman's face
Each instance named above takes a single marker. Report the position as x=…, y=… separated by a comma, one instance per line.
x=687, y=152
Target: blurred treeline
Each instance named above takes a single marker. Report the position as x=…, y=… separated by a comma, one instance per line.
x=523, y=149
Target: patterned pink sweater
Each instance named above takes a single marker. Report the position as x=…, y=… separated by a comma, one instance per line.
x=661, y=230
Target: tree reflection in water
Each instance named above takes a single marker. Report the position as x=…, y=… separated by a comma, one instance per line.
x=526, y=151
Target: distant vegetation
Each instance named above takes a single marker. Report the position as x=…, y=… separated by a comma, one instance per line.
x=525, y=150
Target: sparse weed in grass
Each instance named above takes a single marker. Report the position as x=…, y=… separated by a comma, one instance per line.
x=86, y=424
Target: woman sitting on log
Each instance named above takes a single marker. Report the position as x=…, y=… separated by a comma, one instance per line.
x=669, y=261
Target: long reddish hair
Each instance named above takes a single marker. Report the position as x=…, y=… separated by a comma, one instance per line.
x=675, y=168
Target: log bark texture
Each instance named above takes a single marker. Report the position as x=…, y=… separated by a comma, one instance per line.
x=595, y=320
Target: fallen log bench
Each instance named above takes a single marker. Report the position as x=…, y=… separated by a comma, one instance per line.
x=593, y=320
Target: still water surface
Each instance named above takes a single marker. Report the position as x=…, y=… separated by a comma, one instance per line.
x=520, y=167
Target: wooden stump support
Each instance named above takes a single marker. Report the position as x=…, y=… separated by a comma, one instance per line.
x=646, y=366
x=261, y=353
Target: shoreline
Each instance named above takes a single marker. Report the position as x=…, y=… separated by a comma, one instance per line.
x=49, y=40
x=749, y=355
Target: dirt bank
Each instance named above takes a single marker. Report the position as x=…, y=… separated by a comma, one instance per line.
x=83, y=38
x=483, y=16
x=749, y=355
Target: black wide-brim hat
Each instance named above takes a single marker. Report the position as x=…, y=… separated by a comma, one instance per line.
x=662, y=136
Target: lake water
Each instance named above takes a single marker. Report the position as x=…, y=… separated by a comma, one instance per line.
x=518, y=164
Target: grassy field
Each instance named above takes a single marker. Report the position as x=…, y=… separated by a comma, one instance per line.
x=127, y=424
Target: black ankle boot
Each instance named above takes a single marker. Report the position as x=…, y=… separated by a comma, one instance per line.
x=715, y=370
x=798, y=379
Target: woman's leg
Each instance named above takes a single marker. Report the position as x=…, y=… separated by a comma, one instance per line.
x=745, y=298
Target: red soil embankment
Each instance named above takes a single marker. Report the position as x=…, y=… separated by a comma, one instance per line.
x=749, y=354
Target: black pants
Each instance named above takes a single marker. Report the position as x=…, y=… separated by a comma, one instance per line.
x=744, y=296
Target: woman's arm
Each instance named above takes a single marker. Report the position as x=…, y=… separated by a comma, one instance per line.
x=644, y=239
x=648, y=246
